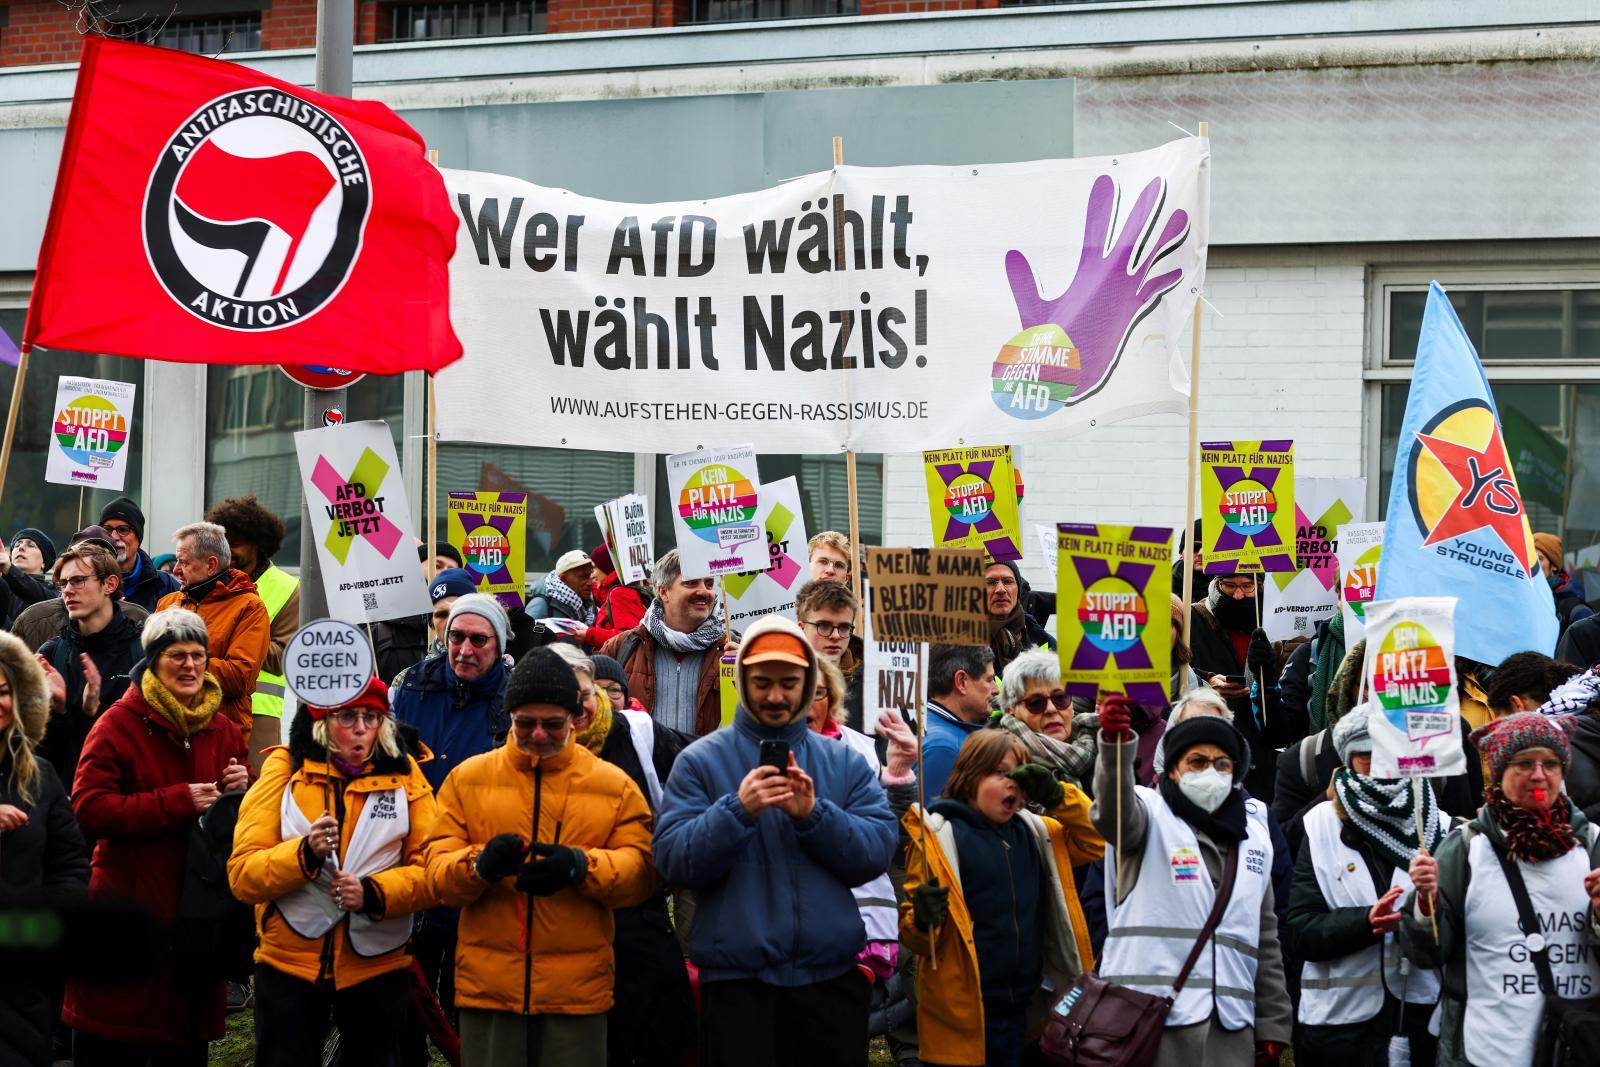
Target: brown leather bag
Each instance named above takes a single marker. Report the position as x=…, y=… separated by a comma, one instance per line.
x=1098, y=1024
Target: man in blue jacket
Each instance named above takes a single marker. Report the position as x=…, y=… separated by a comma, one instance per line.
x=771, y=856
x=142, y=583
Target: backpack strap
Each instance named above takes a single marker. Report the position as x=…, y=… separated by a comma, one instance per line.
x=1308, y=758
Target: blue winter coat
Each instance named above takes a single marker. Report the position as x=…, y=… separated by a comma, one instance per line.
x=772, y=895
x=455, y=719
x=146, y=584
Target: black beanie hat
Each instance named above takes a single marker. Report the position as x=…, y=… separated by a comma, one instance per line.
x=47, y=547
x=125, y=509
x=1207, y=730
x=542, y=677
x=607, y=669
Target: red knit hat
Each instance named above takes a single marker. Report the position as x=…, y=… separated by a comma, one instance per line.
x=375, y=696
x=601, y=558
x=1501, y=739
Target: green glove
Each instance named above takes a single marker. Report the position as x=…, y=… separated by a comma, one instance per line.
x=930, y=905
x=1038, y=785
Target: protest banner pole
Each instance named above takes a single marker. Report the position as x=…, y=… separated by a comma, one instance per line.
x=922, y=793
x=1422, y=850
x=80, y=507
x=432, y=510
x=11, y=418
x=1190, y=503
x=849, y=453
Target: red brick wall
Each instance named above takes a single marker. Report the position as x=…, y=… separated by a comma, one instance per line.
x=41, y=31
x=583, y=16
x=900, y=7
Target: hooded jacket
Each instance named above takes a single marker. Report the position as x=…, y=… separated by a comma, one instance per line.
x=146, y=586
x=620, y=609
x=238, y=636
x=772, y=893
x=454, y=719
x=265, y=866
x=548, y=955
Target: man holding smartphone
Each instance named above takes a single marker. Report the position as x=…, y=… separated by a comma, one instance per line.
x=761, y=846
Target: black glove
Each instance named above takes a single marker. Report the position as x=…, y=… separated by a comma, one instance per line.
x=1038, y=785
x=500, y=857
x=552, y=868
x=1261, y=662
x=930, y=905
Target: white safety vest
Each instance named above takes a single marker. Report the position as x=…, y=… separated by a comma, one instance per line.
x=1504, y=1006
x=1152, y=931
x=875, y=899
x=375, y=845
x=1350, y=988
x=642, y=732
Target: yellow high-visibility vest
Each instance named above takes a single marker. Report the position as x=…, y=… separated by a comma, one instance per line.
x=274, y=587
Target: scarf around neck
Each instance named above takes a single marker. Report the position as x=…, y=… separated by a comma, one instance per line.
x=186, y=720
x=709, y=634
x=562, y=594
x=1533, y=837
x=1006, y=635
x=1227, y=823
x=1058, y=756
x=1383, y=811
x=594, y=735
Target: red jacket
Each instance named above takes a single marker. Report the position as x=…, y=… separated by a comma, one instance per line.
x=132, y=792
x=621, y=609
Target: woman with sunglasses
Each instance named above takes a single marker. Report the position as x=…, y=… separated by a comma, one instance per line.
x=329, y=848
x=1037, y=710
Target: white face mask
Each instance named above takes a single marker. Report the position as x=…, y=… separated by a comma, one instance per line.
x=1206, y=789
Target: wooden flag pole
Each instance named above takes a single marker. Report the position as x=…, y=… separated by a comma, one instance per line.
x=849, y=453
x=922, y=796
x=11, y=418
x=81, y=488
x=1190, y=501
x=433, y=451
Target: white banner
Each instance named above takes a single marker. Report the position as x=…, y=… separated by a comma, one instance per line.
x=714, y=505
x=91, y=434
x=1410, y=675
x=1360, y=547
x=1297, y=600
x=887, y=309
x=772, y=591
x=361, y=522
x=625, y=524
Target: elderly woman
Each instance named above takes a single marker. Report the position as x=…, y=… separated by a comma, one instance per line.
x=1355, y=989
x=329, y=848
x=42, y=855
x=1182, y=843
x=1528, y=832
x=1038, y=712
x=153, y=763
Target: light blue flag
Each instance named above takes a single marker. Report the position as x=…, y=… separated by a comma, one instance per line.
x=1456, y=525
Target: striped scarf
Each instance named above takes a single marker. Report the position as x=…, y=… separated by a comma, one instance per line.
x=1384, y=812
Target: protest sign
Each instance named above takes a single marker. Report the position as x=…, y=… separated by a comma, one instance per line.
x=928, y=595
x=727, y=691
x=490, y=530
x=89, y=436
x=753, y=594
x=1047, y=543
x=1360, y=549
x=327, y=662
x=1247, y=506
x=1410, y=672
x=1114, y=611
x=361, y=522
x=1295, y=601
x=625, y=524
x=972, y=495
x=715, y=500
x=880, y=309
x=893, y=676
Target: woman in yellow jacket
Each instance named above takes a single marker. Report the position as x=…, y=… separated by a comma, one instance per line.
x=989, y=892
x=329, y=847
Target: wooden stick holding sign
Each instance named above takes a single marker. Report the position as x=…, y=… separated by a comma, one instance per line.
x=849, y=453
x=1417, y=786
x=927, y=596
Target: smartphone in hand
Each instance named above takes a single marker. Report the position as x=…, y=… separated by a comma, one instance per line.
x=775, y=754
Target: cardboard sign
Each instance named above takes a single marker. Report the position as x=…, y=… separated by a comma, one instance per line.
x=715, y=499
x=90, y=433
x=889, y=673
x=972, y=497
x=327, y=663
x=1294, y=602
x=1114, y=610
x=928, y=595
x=1360, y=548
x=754, y=594
x=361, y=522
x=625, y=524
x=1247, y=506
x=490, y=530
x=1410, y=673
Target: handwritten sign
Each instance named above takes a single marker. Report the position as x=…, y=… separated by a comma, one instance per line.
x=928, y=595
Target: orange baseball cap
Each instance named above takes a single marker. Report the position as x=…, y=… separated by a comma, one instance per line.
x=776, y=648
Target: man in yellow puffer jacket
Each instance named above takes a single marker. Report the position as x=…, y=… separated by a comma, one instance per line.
x=534, y=966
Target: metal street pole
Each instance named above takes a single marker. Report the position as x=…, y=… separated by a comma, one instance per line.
x=336, y=37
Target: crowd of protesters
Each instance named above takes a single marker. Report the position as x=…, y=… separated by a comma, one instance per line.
x=525, y=844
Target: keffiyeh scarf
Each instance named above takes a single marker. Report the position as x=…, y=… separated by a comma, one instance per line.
x=562, y=594
x=1074, y=758
x=708, y=636
x=1383, y=811
x=1573, y=696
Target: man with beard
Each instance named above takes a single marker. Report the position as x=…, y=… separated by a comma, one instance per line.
x=763, y=844
x=672, y=657
x=1011, y=630
x=142, y=583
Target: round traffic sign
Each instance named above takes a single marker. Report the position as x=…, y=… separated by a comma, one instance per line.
x=327, y=663
x=318, y=377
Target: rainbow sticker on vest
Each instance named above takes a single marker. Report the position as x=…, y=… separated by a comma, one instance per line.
x=1112, y=614
x=718, y=504
x=1185, y=865
x=1362, y=580
x=1036, y=372
x=91, y=431
x=1412, y=682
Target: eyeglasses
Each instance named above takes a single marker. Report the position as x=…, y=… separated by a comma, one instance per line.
x=118, y=530
x=348, y=717
x=525, y=724
x=614, y=691
x=1241, y=585
x=184, y=657
x=830, y=629
x=78, y=581
x=1200, y=763
x=457, y=637
x=1552, y=767
x=1005, y=581
x=1036, y=703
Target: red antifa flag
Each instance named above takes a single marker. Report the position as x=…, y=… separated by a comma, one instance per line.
x=206, y=213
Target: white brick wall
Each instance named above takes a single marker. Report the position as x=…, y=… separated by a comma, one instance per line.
x=1283, y=359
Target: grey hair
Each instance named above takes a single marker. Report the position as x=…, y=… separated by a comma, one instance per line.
x=668, y=570
x=172, y=625
x=388, y=735
x=946, y=661
x=574, y=657
x=1035, y=665
x=209, y=540
x=1205, y=698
